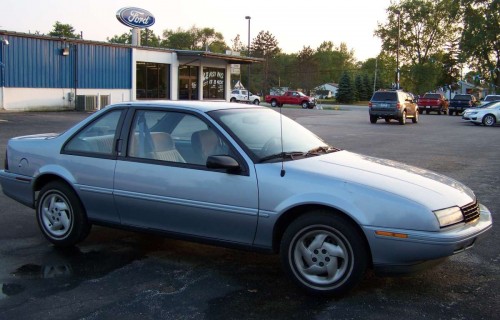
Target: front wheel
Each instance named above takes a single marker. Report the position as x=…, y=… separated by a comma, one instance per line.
x=305, y=105
x=256, y=101
x=61, y=216
x=324, y=253
x=489, y=120
x=233, y=100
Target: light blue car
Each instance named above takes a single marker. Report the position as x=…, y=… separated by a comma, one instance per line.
x=242, y=176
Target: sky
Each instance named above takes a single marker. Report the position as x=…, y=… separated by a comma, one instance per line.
x=294, y=24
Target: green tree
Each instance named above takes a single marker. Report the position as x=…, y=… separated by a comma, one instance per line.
x=265, y=46
x=480, y=40
x=307, y=70
x=148, y=38
x=346, y=92
x=63, y=30
x=426, y=27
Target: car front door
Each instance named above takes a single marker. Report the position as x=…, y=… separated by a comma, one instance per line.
x=171, y=189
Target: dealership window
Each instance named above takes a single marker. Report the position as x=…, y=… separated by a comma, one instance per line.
x=213, y=83
x=153, y=80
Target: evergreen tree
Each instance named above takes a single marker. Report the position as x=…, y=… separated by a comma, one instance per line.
x=368, y=87
x=345, y=93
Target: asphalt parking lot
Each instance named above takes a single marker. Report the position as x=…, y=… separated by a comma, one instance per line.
x=124, y=275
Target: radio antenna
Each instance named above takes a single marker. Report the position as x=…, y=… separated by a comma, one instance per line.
x=282, y=173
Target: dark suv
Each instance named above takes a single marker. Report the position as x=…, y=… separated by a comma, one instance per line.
x=397, y=105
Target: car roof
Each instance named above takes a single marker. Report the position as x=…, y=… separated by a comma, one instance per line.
x=202, y=106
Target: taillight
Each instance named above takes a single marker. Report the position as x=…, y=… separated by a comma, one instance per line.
x=370, y=104
x=398, y=105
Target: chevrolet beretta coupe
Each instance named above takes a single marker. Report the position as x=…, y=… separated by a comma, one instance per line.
x=242, y=176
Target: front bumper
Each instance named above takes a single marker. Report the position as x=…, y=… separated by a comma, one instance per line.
x=17, y=187
x=420, y=248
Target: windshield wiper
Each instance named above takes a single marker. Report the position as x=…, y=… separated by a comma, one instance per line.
x=282, y=155
x=321, y=149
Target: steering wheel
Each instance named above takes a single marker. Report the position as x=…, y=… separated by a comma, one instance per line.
x=272, y=146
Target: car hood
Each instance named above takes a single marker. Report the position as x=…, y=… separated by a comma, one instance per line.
x=431, y=189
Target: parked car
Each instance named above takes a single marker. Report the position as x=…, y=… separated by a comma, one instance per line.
x=460, y=102
x=291, y=97
x=489, y=98
x=397, y=105
x=242, y=95
x=433, y=102
x=487, y=115
x=242, y=176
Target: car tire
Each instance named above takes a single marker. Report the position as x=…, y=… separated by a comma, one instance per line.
x=373, y=119
x=420, y=111
x=256, y=102
x=402, y=119
x=61, y=215
x=305, y=105
x=387, y=119
x=450, y=112
x=233, y=100
x=324, y=253
x=415, y=118
x=427, y=111
x=489, y=120
x=274, y=103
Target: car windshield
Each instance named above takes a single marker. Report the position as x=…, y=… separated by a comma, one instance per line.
x=258, y=131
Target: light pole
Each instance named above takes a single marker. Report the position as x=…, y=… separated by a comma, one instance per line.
x=248, y=54
x=397, y=51
x=3, y=42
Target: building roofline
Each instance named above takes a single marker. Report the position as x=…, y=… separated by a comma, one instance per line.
x=182, y=53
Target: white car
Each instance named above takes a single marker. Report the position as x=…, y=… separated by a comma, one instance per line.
x=242, y=95
x=489, y=98
x=488, y=114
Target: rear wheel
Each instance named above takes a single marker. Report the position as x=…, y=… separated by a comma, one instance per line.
x=415, y=118
x=450, y=112
x=427, y=111
x=324, y=253
x=274, y=103
x=61, y=216
x=373, y=119
x=402, y=119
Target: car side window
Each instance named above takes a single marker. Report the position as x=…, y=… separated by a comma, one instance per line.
x=173, y=137
x=98, y=137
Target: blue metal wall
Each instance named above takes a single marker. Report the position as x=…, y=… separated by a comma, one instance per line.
x=39, y=63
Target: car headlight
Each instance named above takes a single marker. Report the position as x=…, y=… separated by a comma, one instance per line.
x=449, y=216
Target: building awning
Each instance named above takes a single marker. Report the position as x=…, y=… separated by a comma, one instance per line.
x=234, y=59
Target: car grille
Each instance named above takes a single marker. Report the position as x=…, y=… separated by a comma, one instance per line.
x=470, y=211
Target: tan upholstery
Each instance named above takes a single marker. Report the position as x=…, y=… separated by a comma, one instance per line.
x=204, y=143
x=163, y=147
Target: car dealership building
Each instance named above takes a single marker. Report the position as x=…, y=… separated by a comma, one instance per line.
x=40, y=72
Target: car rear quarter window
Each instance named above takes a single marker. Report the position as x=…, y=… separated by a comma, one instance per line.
x=98, y=137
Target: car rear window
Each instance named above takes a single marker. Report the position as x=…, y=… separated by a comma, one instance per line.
x=432, y=96
x=461, y=97
x=492, y=98
x=385, y=96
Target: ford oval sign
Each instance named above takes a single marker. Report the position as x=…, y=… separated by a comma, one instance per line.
x=135, y=17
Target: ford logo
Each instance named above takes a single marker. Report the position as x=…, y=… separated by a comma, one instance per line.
x=135, y=17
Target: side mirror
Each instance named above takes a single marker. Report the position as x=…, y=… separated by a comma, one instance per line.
x=223, y=162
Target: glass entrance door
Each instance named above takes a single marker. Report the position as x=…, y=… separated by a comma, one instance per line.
x=188, y=83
